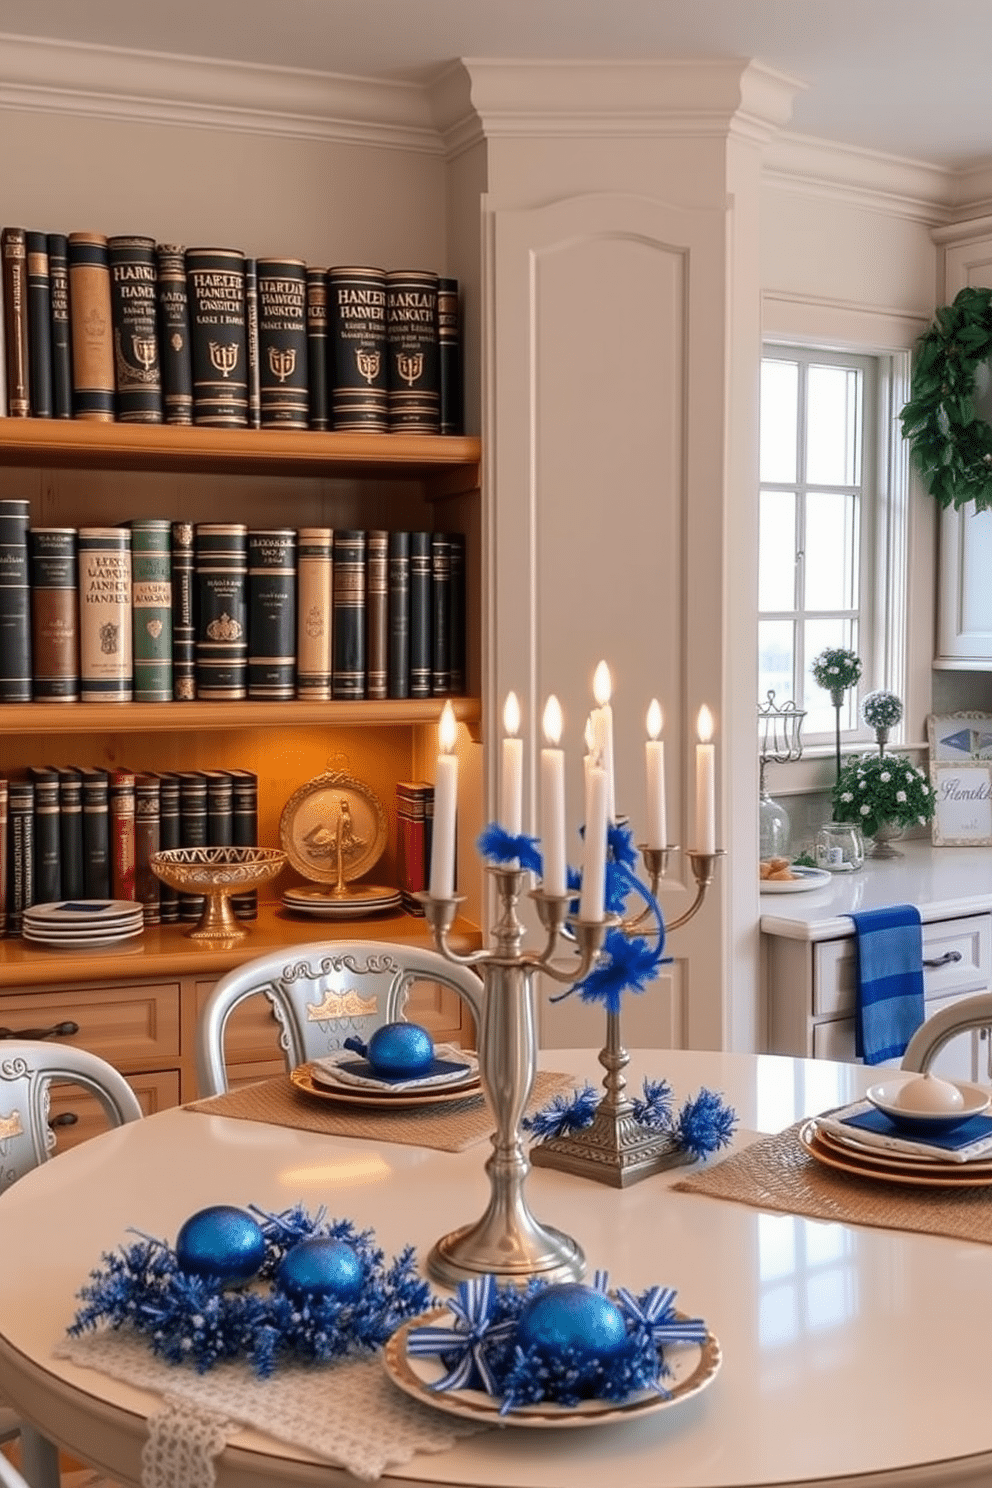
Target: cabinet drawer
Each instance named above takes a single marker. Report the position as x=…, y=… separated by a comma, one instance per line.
x=960, y=952
x=156, y=1090
x=129, y=1026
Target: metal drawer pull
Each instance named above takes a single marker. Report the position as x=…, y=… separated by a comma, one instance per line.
x=945, y=960
x=65, y=1118
x=58, y=1030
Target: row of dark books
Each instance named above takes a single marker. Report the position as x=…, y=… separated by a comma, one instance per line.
x=79, y=832
x=124, y=328
x=157, y=610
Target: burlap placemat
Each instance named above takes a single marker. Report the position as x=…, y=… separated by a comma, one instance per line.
x=778, y=1173
x=447, y=1128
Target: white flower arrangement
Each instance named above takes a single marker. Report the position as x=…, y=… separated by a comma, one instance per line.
x=874, y=789
x=835, y=668
x=881, y=710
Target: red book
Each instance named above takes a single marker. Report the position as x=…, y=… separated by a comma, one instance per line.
x=122, y=843
x=414, y=804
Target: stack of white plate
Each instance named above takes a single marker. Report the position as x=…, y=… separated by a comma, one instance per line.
x=357, y=901
x=77, y=923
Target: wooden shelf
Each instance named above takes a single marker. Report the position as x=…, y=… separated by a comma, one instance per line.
x=197, y=717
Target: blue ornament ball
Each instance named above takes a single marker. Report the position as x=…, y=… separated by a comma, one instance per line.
x=577, y=1319
x=321, y=1266
x=401, y=1049
x=221, y=1242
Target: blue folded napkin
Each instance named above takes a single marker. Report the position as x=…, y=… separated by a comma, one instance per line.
x=889, y=1000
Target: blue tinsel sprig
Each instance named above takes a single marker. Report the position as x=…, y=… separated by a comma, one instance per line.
x=499, y=846
x=702, y=1125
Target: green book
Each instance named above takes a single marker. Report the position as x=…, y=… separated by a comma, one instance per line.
x=151, y=609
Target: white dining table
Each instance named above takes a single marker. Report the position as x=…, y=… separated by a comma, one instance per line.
x=850, y=1355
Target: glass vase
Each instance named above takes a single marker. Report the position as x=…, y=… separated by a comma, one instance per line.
x=840, y=847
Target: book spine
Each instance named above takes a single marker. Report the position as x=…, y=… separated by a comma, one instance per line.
x=54, y=614
x=71, y=832
x=399, y=615
x=174, y=334
x=357, y=364
x=20, y=855
x=221, y=572
x=13, y=247
x=168, y=838
x=106, y=668
x=15, y=601
x=147, y=840
x=320, y=408
x=215, y=280
x=449, y=352
x=244, y=832
x=458, y=624
x=220, y=808
x=47, y=835
x=58, y=276
x=134, y=308
x=377, y=613
x=4, y=835
x=39, y=325
x=314, y=560
x=421, y=669
x=183, y=613
x=411, y=861
x=349, y=641
x=91, y=318
x=282, y=343
x=440, y=614
x=96, y=832
x=251, y=344
x=151, y=608
x=192, y=831
x=413, y=376
x=122, y=841
x=272, y=613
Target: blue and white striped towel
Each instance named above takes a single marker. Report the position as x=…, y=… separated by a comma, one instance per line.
x=889, y=1000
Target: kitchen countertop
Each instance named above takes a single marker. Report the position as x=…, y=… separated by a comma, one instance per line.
x=943, y=881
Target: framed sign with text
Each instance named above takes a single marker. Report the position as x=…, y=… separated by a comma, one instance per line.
x=961, y=773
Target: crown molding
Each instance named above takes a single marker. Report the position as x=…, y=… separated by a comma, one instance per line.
x=41, y=76
x=863, y=178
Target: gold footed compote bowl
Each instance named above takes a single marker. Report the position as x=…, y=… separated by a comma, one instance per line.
x=218, y=872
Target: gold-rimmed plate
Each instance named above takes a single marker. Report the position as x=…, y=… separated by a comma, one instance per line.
x=302, y=1078
x=860, y=1164
x=693, y=1367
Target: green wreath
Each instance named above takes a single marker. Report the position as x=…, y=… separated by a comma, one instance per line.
x=951, y=444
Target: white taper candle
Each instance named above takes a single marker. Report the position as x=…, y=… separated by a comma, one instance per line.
x=553, y=801
x=442, y=880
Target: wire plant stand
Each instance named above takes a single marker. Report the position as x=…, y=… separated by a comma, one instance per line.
x=779, y=741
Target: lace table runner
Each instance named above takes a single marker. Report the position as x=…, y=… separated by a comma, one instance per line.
x=450, y=1127
x=349, y=1413
x=777, y=1172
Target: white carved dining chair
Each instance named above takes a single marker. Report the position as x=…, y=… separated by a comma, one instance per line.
x=28, y=1068
x=322, y=993
x=966, y=1015
x=9, y=1476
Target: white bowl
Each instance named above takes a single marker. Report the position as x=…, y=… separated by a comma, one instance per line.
x=888, y=1097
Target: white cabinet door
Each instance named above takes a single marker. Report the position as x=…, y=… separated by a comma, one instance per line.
x=964, y=611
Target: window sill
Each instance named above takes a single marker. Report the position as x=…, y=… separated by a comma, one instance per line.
x=817, y=770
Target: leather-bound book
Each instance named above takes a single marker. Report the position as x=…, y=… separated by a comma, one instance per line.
x=183, y=613
x=377, y=613
x=412, y=861
x=20, y=851
x=71, y=831
x=314, y=598
x=122, y=839
x=357, y=363
x=15, y=601
x=175, y=352
x=96, y=831
x=134, y=307
x=272, y=613
x=151, y=608
x=91, y=315
x=398, y=662
x=147, y=841
x=13, y=248
x=414, y=378
x=54, y=614
x=4, y=830
x=215, y=281
x=440, y=614
x=458, y=621
x=47, y=835
x=320, y=407
x=220, y=558
x=251, y=343
x=421, y=613
x=58, y=278
x=220, y=808
x=244, y=832
x=168, y=838
x=349, y=636
x=284, y=396
x=39, y=325
x=106, y=667
x=449, y=351
x=192, y=831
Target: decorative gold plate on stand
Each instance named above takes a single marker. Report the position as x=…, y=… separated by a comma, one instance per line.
x=333, y=830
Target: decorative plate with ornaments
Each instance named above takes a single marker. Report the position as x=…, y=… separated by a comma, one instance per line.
x=554, y=1355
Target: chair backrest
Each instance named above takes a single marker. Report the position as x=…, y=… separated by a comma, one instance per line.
x=322, y=993
x=963, y=1016
x=27, y=1069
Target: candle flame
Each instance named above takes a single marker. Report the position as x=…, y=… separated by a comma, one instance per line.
x=552, y=720
x=704, y=725
x=447, y=729
x=602, y=685
x=654, y=719
x=511, y=713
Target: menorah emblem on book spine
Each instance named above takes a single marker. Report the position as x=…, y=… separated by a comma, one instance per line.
x=368, y=363
x=145, y=351
x=282, y=362
x=224, y=356
x=410, y=366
